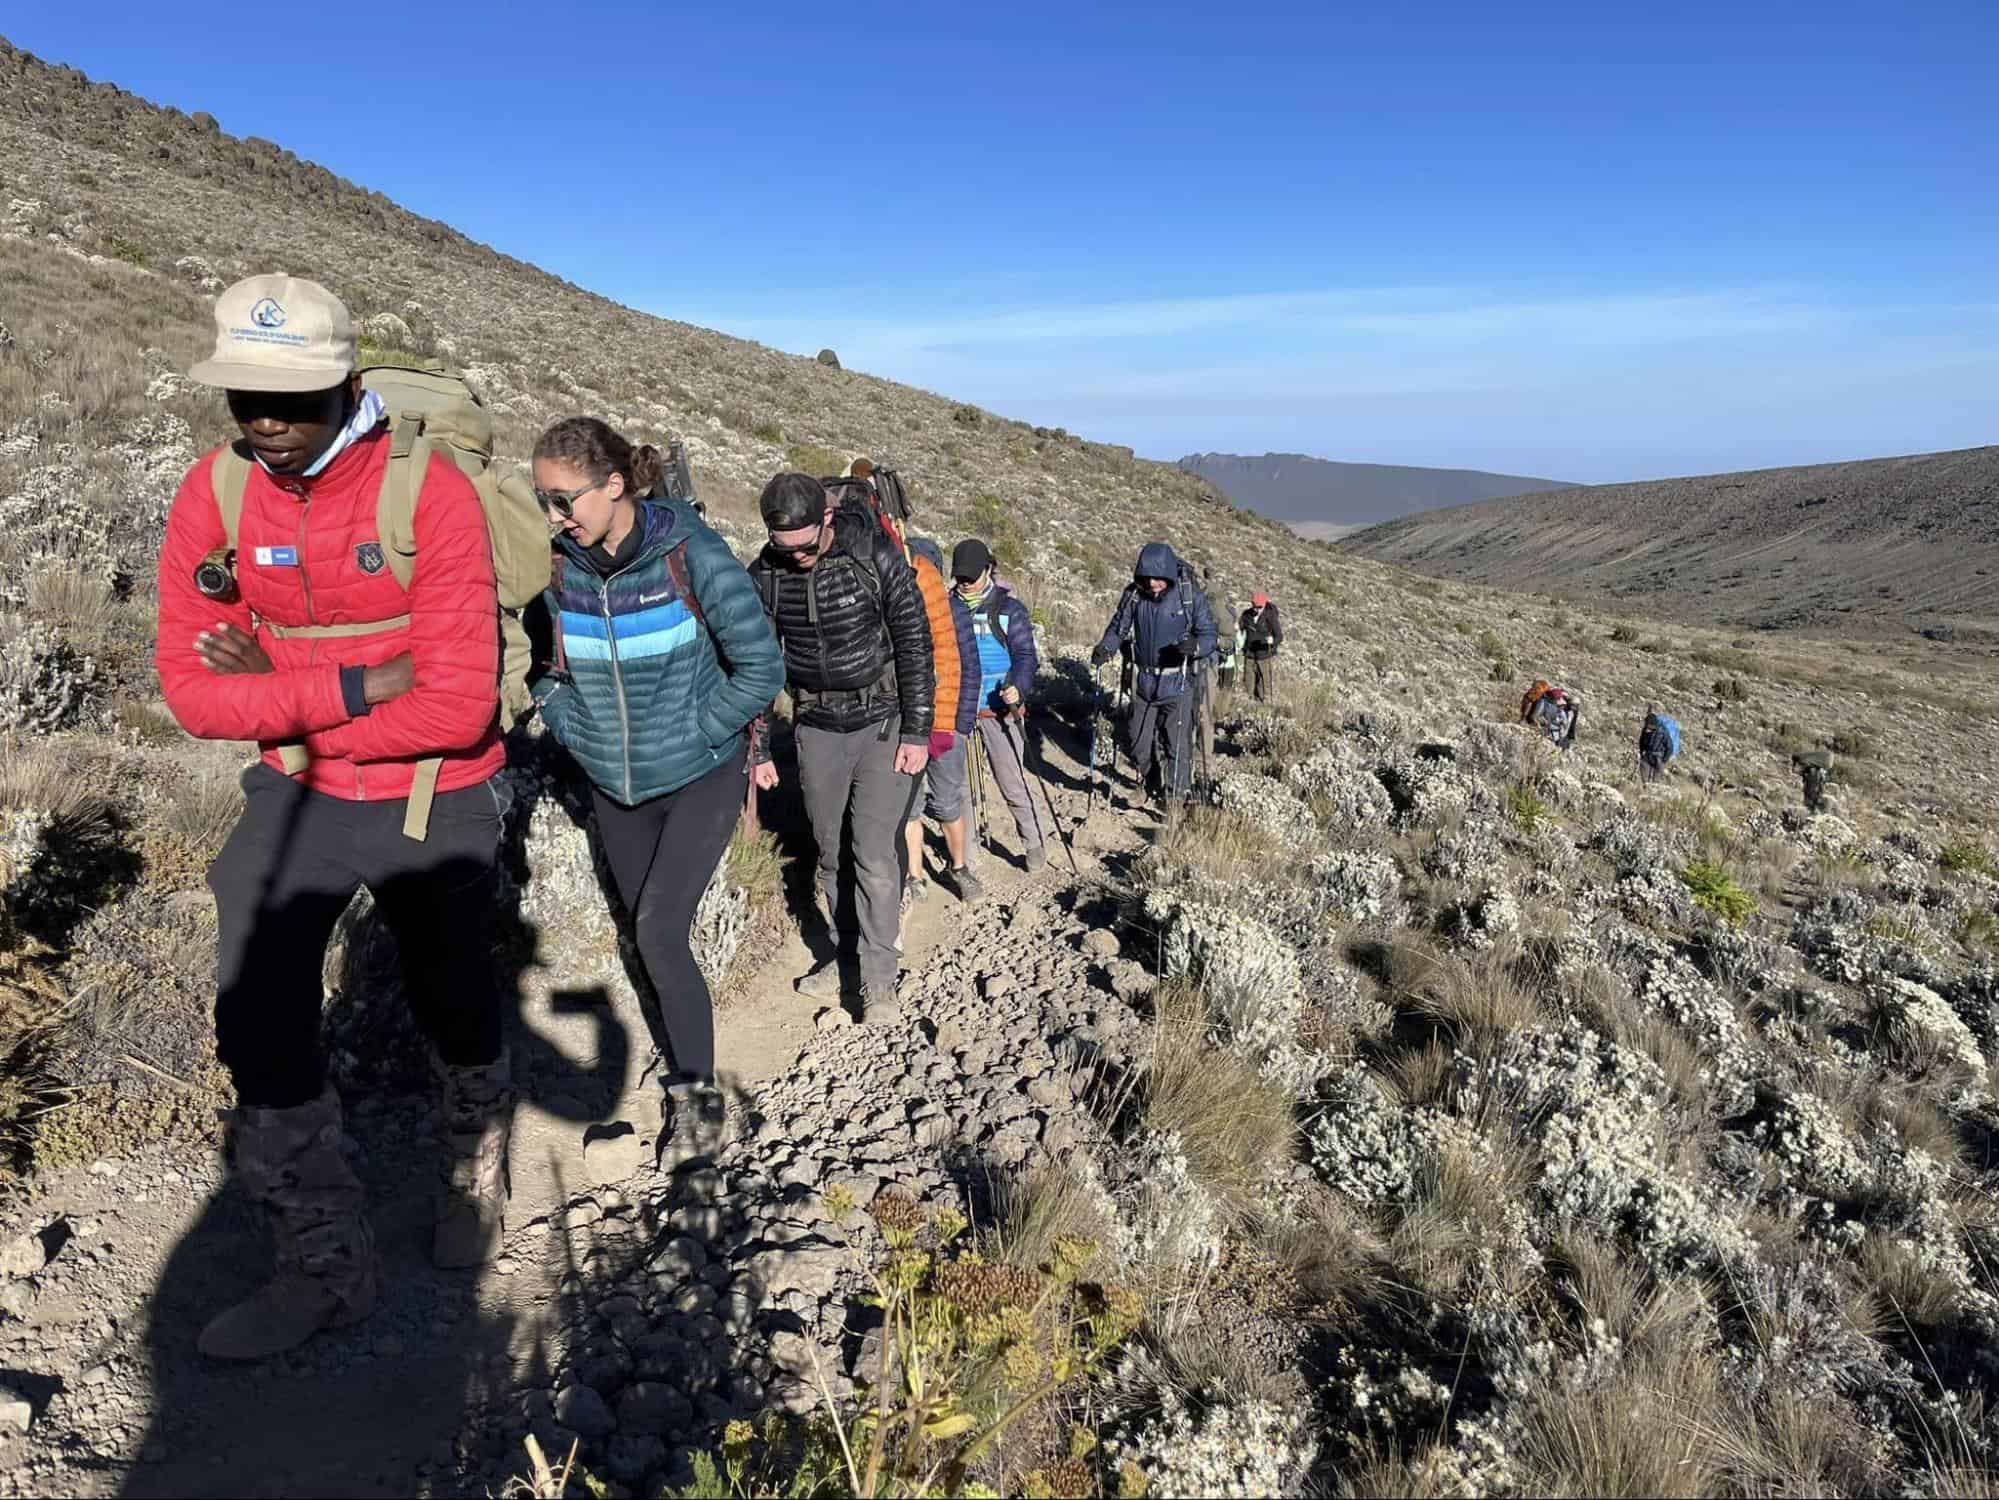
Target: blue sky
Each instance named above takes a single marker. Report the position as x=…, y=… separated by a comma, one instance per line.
x=1555, y=239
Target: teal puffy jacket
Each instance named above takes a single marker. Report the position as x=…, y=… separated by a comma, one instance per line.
x=647, y=693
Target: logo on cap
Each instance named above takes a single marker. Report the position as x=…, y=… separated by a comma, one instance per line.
x=368, y=557
x=267, y=314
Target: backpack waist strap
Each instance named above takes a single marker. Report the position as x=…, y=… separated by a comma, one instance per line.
x=333, y=632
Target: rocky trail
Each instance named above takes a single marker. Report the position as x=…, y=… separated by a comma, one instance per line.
x=630, y=1309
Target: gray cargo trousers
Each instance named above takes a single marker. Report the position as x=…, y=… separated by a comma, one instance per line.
x=852, y=778
x=1006, y=753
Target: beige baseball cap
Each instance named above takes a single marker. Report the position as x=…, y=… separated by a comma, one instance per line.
x=279, y=333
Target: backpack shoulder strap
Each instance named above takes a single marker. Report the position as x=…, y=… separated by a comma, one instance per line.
x=395, y=502
x=683, y=582
x=229, y=476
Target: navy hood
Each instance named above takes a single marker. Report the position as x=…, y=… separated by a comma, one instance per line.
x=1157, y=560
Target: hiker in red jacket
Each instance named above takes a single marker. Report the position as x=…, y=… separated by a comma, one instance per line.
x=376, y=714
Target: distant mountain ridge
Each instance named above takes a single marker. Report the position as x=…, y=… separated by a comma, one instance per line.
x=1319, y=497
x=1882, y=543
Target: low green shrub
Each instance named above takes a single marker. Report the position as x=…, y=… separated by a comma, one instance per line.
x=1714, y=890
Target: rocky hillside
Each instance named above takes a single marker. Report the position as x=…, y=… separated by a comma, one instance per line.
x=1886, y=545
x=1324, y=500
x=1426, y=1113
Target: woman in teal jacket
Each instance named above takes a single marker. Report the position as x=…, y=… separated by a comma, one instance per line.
x=663, y=663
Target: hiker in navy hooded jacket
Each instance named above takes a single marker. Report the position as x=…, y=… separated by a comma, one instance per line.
x=663, y=662
x=1165, y=617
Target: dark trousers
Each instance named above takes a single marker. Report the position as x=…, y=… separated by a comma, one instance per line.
x=1161, y=729
x=1263, y=677
x=662, y=855
x=281, y=882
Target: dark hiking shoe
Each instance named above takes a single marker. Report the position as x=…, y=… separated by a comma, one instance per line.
x=290, y=1163
x=475, y=1110
x=823, y=983
x=1037, y=857
x=967, y=885
x=878, y=1008
x=914, y=889
x=693, y=1123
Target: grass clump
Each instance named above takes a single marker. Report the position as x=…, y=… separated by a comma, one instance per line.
x=969, y=1350
x=1526, y=810
x=1731, y=690
x=1713, y=889
x=1967, y=859
x=1624, y=634
x=810, y=458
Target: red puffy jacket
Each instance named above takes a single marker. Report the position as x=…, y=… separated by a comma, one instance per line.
x=328, y=523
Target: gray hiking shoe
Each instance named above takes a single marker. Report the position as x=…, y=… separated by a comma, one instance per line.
x=290, y=1163
x=967, y=885
x=879, y=1007
x=823, y=983
x=475, y=1111
x=1037, y=857
x=913, y=890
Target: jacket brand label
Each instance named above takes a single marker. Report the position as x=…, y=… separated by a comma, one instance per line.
x=277, y=557
x=662, y=595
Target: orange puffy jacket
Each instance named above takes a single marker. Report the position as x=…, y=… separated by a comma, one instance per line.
x=307, y=554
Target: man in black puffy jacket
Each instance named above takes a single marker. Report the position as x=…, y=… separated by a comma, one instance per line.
x=850, y=617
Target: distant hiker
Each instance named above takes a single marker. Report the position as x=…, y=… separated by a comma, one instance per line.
x=1204, y=689
x=849, y=615
x=1262, y=633
x=1658, y=742
x=1555, y=711
x=1815, y=770
x=1007, y=660
x=957, y=709
x=376, y=710
x=663, y=663
x=1163, y=617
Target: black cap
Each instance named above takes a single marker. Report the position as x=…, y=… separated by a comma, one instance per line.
x=970, y=558
x=791, y=502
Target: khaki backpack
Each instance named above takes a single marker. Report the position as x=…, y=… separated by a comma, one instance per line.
x=430, y=410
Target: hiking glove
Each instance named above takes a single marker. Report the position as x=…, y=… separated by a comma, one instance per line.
x=1190, y=649
x=1099, y=656
x=941, y=741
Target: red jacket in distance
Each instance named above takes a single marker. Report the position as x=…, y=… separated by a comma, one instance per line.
x=307, y=554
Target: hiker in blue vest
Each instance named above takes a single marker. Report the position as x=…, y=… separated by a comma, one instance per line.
x=1165, y=617
x=1658, y=742
x=663, y=662
x=1007, y=660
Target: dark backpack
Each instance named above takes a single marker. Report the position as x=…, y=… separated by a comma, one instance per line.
x=677, y=482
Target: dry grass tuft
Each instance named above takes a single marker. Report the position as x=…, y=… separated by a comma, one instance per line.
x=1056, y=1201
x=1476, y=1001
x=1237, y=1130
x=1648, y=1429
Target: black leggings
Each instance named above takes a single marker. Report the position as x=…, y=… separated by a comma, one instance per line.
x=282, y=880
x=662, y=854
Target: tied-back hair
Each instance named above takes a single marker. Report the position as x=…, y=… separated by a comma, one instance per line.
x=594, y=447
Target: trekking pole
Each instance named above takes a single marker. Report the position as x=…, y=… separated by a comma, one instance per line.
x=975, y=752
x=1054, y=822
x=1095, y=727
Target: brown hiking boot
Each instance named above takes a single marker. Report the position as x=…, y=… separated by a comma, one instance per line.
x=289, y=1162
x=475, y=1109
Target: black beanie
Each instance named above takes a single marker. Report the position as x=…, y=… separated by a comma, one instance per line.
x=791, y=502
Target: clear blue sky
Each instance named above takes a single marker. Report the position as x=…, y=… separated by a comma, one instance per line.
x=1559, y=239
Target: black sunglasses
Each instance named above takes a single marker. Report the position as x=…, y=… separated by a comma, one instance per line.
x=563, y=502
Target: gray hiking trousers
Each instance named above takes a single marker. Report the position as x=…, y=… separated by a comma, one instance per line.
x=1006, y=753
x=1162, y=729
x=1263, y=677
x=852, y=778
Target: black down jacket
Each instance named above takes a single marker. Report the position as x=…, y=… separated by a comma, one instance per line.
x=843, y=624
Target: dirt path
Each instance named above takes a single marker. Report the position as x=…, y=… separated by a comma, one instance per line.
x=433, y=1391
